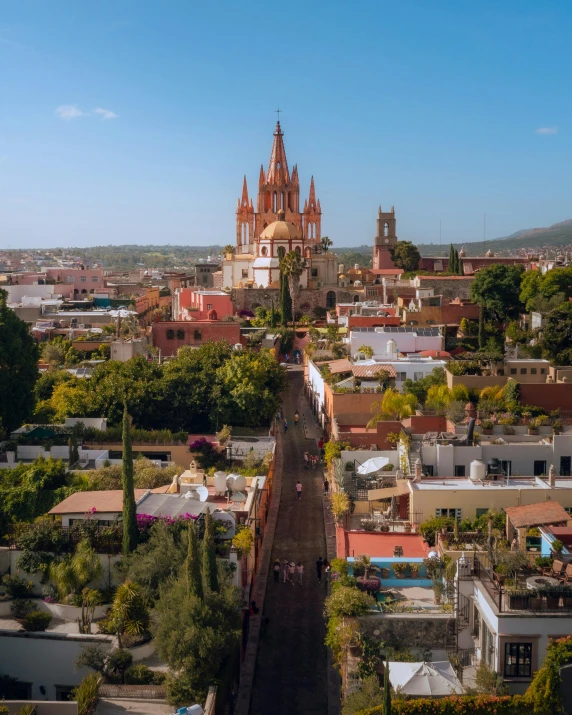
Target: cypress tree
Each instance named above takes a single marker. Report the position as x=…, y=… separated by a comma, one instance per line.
x=130, y=532
x=482, y=328
x=459, y=262
x=452, y=266
x=210, y=573
x=193, y=564
x=386, y=690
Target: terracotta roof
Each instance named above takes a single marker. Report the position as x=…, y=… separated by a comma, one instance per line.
x=104, y=501
x=381, y=544
x=339, y=366
x=549, y=512
x=373, y=370
x=386, y=271
x=434, y=353
x=444, y=278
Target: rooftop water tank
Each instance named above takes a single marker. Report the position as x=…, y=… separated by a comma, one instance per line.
x=239, y=483
x=477, y=471
x=220, y=482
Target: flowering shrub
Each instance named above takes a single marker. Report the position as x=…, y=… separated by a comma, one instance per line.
x=369, y=585
x=463, y=705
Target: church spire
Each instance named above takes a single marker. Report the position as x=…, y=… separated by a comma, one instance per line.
x=312, y=198
x=278, y=166
x=244, y=192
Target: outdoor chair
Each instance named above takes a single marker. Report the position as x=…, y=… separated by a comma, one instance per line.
x=555, y=570
x=567, y=575
x=397, y=551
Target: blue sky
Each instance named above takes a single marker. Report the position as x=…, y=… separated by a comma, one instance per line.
x=444, y=109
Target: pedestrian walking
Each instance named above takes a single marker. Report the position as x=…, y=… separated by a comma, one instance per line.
x=296, y=418
x=276, y=571
x=320, y=444
x=306, y=459
x=285, y=570
x=314, y=461
x=291, y=571
x=326, y=486
x=327, y=569
x=319, y=567
x=299, y=489
x=300, y=572
x=285, y=425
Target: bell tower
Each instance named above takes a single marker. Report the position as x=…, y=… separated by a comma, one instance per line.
x=385, y=239
x=244, y=222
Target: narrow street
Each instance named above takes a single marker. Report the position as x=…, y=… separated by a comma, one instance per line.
x=291, y=667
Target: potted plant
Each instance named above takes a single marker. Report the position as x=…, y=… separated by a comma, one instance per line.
x=557, y=547
x=407, y=527
x=519, y=600
x=384, y=572
x=414, y=569
x=438, y=591
x=533, y=427
x=500, y=574
x=556, y=426
x=400, y=568
x=487, y=426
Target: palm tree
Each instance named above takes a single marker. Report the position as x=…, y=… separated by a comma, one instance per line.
x=393, y=406
x=129, y=613
x=228, y=249
x=325, y=243
x=74, y=573
x=292, y=267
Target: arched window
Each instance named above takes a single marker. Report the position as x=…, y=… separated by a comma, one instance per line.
x=356, y=298
x=298, y=251
x=264, y=251
x=386, y=230
x=330, y=299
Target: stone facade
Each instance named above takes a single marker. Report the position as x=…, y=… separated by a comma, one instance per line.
x=409, y=630
x=447, y=286
x=308, y=299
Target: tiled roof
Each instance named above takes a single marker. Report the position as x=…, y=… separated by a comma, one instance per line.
x=550, y=512
x=386, y=271
x=338, y=366
x=372, y=370
x=104, y=501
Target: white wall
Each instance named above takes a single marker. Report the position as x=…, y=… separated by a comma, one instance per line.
x=45, y=658
x=316, y=382
x=17, y=292
x=406, y=342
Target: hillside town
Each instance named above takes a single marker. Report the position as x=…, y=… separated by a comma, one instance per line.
x=269, y=472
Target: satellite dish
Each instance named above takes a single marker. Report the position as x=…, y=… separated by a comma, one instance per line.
x=202, y=493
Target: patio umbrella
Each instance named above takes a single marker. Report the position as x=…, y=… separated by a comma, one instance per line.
x=372, y=465
x=425, y=679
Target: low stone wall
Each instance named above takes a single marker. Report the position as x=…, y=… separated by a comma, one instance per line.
x=410, y=630
x=308, y=299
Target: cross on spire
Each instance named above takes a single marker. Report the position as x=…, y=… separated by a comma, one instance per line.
x=278, y=113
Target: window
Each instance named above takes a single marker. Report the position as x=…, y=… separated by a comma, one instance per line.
x=517, y=660
x=476, y=623
x=401, y=376
x=539, y=467
x=459, y=470
x=83, y=279
x=543, y=371
x=451, y=513
x=506, y=466
x=523, y=371
x=428, y=469
x=314, y=272
x=513, y=371
x=209, y=306
x=170, y=334
x=565, y=466
x=481, y=512
x=533, y=371
x=180, y=334
x=64, y=692
x=487, y=646
x=95, y=279
x=418, y=376
x=197, y=334
x=69, y=279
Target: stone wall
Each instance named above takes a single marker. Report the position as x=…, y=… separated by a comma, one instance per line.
x=409, y=630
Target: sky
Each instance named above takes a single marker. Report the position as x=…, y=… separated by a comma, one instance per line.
x=134, y=121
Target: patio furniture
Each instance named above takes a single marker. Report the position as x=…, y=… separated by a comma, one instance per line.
x=398, y=551
x=555, y=570
x=567, y=575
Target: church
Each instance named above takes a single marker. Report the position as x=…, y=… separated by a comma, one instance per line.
x=278, y=226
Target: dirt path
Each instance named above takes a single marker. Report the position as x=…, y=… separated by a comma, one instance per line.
x=291, y=668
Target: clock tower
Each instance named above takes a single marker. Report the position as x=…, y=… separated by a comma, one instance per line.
x=385, y=239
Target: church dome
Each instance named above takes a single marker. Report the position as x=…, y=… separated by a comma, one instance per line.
x=281, y=229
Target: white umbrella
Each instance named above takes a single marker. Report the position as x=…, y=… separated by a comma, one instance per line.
x=372, y=465
x=425, y=679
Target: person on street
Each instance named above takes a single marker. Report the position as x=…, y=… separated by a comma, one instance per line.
x=299, y=489
x=285, y=570
x=300, y=571
x=276, y=571
x=291, y=572
x=326, y=486
x=319, y=567
x=296, y=418
x=327, y=570
x=306, y=458
x=285, y=425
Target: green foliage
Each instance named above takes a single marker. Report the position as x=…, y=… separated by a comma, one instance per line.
x=405, y=255
x=368, y=695
x=118, y=661
x=130, y=532
x=17, y=587
x=497, y=288
x=292, y=267
x=18, y=368
x=556, y=339
x=193, y=564
x=210, y=570
x=419, y=388
x=393, y=406
x=92, y=656
x=72, y=574
x=86, y=693
x=346, y=601
x=129, y=614
x=139, y=675
x=457, y=705
x=332, y=450
x=243, y=541
x=22, y=607
x=429, y=527
x=36, y=621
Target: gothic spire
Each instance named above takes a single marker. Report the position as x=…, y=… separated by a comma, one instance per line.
x=312, y=198
x=278, y=166
x=262, y=177
x=244, y=192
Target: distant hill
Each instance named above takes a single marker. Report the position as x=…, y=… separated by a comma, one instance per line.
x=547, y=241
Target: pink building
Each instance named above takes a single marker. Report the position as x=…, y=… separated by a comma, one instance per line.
x=69, y=281
x=192, y=304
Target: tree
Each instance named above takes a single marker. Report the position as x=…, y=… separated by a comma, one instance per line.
x=210, y=569
x=497, y=289
x=530, y=288
x=326, y=244
x=292, y=266
x=405, y=255
x=452, y=265
x=130, y=532
x=368, y=695
x=367, y=350
x=54, y=353
x=285, y=300
x=228, y=249
x=18, y=368
x=129, y=614
x=386, y=690
x=419, y=388
x=393, y=406
x=193, y=564
x=556, y=340
x=73, y=573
